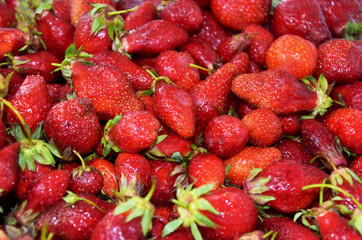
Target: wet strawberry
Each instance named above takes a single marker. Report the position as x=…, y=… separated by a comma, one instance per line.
x=11, y=41
x=9, y=165
x=350, y=93
x=233, y=45
x=294, y=150
x=290, y=123
x=62, y=9
x=146, y=12
x=173, y=143
x=356, y=166
x=242, y=63
x=7, y=15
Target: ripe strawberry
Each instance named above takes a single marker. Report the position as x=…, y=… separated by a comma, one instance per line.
x=238, y=14
x=62, y=9
x=11, y=40
x=261, y=39
x=264, y=127
x=15, y=81
x=225, y=136
x=7, y=15
x=281, y=92
x=255, y=68
x=73, y=126
x=356, y=166
x=154, y=37
x=176, y=66
x=206, y=168
x=242, y=62
x=290, y=123
x=288, y=229
x=302, y=18
x=340, y=61
x=175, y=107
x=233, y=45
x=59, y=92
x=294, y=150
x=350, y=93
x=175, y=12
x=293, y=54
x=171, y=144
x=146, y=12
x=10, y=169
x=345, y=123
x=250, y=157
x=282, y=184
x=32, y=101
x=2, y=134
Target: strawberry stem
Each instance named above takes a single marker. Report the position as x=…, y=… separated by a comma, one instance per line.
x=80, y=158
x=122, y=11
x=152, y=190
x=199, y=67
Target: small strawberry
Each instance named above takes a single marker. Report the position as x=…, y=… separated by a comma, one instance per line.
x=294, y=150
x=290, y=123
x=9, y=157
x=11, y=40
x=293, y=54
x=233, y=45
x=264, y=127
x=349, y=93
x=225, y=136
x=345, y=123
x=250, y=157
x=145, y=12
x=302, y=18
x=238, y=14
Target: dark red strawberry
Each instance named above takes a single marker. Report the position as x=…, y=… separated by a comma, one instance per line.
x=184, y=13
x=9, y=157
x=11, y=41
x=238, y=14
x=225, y=136
x=2, y=134
x=62, y=9
x=290, y=123
x=73, y=126
x=154, y=37
x=294, y=150
x=145, y=12
x=59, y=92
x=281, y=185
x=15, y=81
x=356, y=166
x=233, y=45
x=302, y=18
x=350, y=94
x=7, y=15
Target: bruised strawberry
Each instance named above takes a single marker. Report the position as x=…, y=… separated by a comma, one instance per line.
x=11, y=40
x=9, y=156
x=294, y=150
x=73, y=126
x=225, y=136
x=145, y=12
x=248, y=158
x=154, y=37
x=238, y=14
x=350, y=93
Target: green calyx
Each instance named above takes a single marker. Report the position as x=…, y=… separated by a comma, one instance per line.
x=73, y=198
x=155, y=81
x=128, y=189
x=352, y=31
x=4, y=84
x=340, y=175
x=356, y=220
x=189, y=203
x=106, y=142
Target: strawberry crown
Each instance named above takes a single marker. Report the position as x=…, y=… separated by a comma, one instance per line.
x=73, y=198
x=4, y=84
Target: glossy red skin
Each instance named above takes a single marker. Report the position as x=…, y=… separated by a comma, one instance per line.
x=242, y=62
x=11, y=40
x=108, y=89
x=39, y=64
x=332, y=226
x=287, y=177
x=57, y=33
x=302, y=18
x=345, y=123
x=62, y=9
x=238, y=214
x=145, y=13
x=233, y=45
x=184, y=13
x=7, y=15
x=294, y=150
x=135, y=131
x=32, y=94
x=154, y=37
x=238, y=14
x=90, y=181
x=340, y=61
x=9, y=157
x=225, y=136
x=132, y=166
x=206, y=169
x=176, y=66
x=290, y=123
x=174, y=143
x=58, y=91
x=74, y=222
x=2, y=134
x=275, y=89
x=351, y=94
x=175, y=107
x=15, y=81
x=288, y=229
x=356, y=166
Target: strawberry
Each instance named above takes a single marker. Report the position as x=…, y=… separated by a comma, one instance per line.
x=290, y=123
x=281, y=185
x=175, y=12
x=281, y=92
x=293, y=54
x=15, y=81
x=225, y=136
x=176, y=66
x=171, y=144
x=7, y=15
x=133, y=132
x=302, y=18
x=59, y=92
x=255, y=68
x=340, y=61
x=345, y=124
x=286, y=228
x=32, y=94
x=238, y=14
x=9, y=165
x=145, y=12
x=350, y=93
x=260, y=41
x=233, y=45
x=175, y=107
x=356, y=166
x=154, y=37
x=11, y=40
x=293, y=150
x=242, y=62
x=206, y=169
x=250, y=157
x=2, y=134
x=73, y=125
x=264, y=127
x=62, y=9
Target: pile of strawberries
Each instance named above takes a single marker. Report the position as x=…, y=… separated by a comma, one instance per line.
x=180, y=119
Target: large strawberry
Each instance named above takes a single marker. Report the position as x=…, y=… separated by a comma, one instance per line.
x=9, y=157
x=146, y=12
x=350, y=94
x=11, y=41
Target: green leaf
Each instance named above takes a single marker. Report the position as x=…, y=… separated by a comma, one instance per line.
x=53, y=150
x=111, y=31
x=195, y=231
x=22, y=162
x=29, y=159
x=47, y=156
x=202, y=190
x=98, y=24
x=227, y=169
x=177, y=156
x=70, y=50
x=136, y=212
x=171, y=227
x=202, y=220
x=323, y=83
x=203, y=204
x=71, y=198
x=124, y=207
x=160, y=138
x=146, y=222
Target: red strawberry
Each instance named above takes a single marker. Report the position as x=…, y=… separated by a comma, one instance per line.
x=345, y=123
x=225, y=136
x=238, y=14
x=294, y=150
x=73, y=126
x=62, y=9
x=264, y=127
x=154, y=37
x=290, y=123
x=11, y=40
x=250, y=157
x=293, y=54
x=2, y=134
x=184, y=13
x=145, y=12
x=7, y=15
x=340, y=61
x=206, y=169
x=356, y=166
x=175, y=107
x=350, y=93
x=176, y=66
x=242, y=62
x=302, y=18
x=59, y=92
x=233, y=45
x=171, y=144
x=9, y=165
x=15, y=81
x=282, y=184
